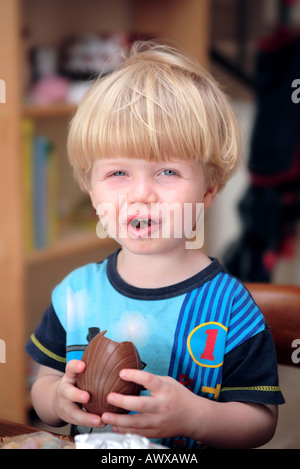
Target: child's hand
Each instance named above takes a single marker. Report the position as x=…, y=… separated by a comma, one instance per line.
x=162, y=414
x=68, y=396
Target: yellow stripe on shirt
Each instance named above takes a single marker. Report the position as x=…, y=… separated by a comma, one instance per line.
x=47, y=351
x=253, y=388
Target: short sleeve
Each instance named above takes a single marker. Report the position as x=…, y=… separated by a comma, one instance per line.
x=47, y=345
x=250, y=372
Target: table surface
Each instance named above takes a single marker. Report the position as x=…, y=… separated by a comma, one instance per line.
x=8, y=428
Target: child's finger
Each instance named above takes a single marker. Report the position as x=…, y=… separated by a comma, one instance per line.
x=132, y=403
x=73, y=394
x=78, y=416
x=73, y=368
x=136, y=421
x=148, y=380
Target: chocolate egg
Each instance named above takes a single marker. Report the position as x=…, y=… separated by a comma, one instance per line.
x=104, y=360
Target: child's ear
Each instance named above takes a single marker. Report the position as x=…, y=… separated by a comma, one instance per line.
x=209, y=195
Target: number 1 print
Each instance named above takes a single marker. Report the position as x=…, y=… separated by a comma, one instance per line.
x=210, y=344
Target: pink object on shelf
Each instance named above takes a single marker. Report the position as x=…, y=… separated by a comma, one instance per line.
x=51, y=89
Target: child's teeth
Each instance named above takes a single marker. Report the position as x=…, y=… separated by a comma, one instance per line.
x=144, y=224
x=140, y=223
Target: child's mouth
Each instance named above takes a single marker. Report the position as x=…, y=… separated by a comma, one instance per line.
x=141, y=227
x=140, y=223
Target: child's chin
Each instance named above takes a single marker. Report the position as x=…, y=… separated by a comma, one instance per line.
x=149, y=245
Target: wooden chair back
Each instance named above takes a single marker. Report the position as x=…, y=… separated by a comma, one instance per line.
x=280, y=305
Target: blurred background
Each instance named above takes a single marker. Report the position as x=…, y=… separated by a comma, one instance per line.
x=50, y=51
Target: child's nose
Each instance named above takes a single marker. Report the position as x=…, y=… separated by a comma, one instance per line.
x=142, y=191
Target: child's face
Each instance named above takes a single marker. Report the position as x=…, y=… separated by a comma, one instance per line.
x=149, y=207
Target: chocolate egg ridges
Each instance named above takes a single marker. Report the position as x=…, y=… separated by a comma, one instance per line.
x=104, y=360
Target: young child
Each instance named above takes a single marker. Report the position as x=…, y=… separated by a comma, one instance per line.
x=158, y=132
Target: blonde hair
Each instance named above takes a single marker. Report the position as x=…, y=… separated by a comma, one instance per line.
x=158, y=104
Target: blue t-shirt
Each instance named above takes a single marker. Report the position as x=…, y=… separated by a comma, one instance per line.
x=206, y=331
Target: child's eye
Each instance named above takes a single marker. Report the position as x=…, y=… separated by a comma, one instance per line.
x=118, y=173
x=169, y=172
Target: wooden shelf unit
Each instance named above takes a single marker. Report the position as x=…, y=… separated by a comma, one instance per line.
x=27, y=279
x=55, y=110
